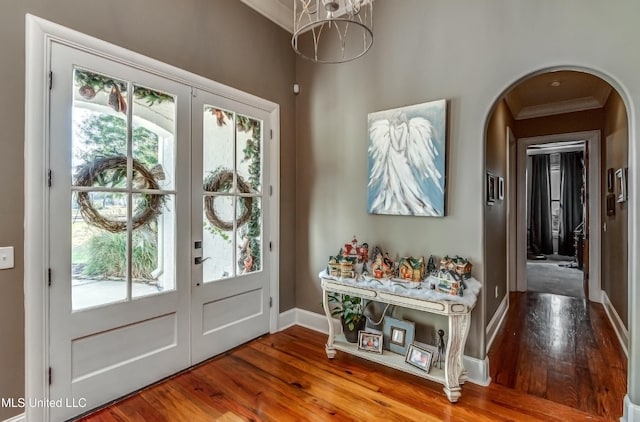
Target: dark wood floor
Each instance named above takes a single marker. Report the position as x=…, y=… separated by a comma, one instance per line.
x=562, y=349
x=287, y=377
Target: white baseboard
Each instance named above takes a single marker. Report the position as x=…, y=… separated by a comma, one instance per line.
x=477, y=369
x=496, y=321
x=618, y=326
x=17, y=418
x=630, y=411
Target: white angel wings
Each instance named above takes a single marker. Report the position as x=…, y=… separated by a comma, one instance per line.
x=404, y=177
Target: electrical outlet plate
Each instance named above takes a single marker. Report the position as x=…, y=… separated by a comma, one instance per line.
x=6, y=257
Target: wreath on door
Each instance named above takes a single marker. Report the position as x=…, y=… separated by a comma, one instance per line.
x=94, y=171
x=222, y=181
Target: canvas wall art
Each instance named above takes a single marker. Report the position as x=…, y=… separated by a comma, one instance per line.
x=406, y=160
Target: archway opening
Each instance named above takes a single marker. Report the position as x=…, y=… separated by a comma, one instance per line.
x=556, y=146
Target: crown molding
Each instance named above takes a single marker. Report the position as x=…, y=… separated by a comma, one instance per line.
x=274, y=11
x=559, y=107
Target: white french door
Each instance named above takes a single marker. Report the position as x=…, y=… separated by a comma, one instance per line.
x=231, y=277
x=119, y=294
x=158, y=216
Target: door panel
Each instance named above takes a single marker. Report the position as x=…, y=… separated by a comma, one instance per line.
x=119, y=298
x=230, y=277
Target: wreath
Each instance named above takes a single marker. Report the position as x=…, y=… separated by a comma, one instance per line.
x=219, y=181
x=91, y=172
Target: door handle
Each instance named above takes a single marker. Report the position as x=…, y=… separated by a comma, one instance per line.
x=198, y=260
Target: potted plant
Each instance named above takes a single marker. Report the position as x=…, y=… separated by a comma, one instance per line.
x=351, y=312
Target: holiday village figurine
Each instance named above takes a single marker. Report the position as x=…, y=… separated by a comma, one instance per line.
x=383, y=266
x=411, y=269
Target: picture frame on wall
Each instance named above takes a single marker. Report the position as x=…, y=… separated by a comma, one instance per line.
x=491, y=189
x=611, y=204
x=611, y=182
x=621, y=184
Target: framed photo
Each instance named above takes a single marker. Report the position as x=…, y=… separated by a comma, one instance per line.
x=491, y=188
x=397, y=334
x=621, y=184
x=611, y=204
x=419, y=357
x=501, y=188
x=611, y=182
x=370, y=342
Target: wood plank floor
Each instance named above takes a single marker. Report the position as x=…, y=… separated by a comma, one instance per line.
x=562, y=349
x=287, y=377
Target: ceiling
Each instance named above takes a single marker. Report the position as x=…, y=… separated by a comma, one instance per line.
x=556, y=93
x=542, y=95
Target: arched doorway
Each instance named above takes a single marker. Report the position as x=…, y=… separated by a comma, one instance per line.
x=553, y=338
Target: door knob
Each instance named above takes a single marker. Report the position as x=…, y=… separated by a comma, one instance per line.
x=199, y=260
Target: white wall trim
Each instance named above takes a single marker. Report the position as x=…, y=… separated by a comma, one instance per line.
x=274, y=11
x=17, y=418
x=477, y=369
x=496, y=321
x=618, y=326
x=630, y=411
x=593, y=146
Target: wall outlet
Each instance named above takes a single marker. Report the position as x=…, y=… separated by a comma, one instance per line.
x=496, y=292
x=6, y=257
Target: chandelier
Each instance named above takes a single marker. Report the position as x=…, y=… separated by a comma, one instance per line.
x=326, y=31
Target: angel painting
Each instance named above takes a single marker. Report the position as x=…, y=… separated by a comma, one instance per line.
x=407, y=160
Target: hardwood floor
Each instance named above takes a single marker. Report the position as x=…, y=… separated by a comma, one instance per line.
x=287, y=377
x=562, y=349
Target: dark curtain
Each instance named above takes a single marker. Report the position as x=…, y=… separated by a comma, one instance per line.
x=571, y=185
x=540, y=232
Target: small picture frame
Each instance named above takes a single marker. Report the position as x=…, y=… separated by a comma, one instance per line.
x=491, y=189
x=611, y=180
x=397, y=334
x=370, y=342
x=611, y=204
x=419, y=357
x=621, y=184
x=501, y=188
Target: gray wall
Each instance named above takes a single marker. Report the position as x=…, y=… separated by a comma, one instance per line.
x=222, y=40
x=495, y=216
x=467, y=52
x=615, y=238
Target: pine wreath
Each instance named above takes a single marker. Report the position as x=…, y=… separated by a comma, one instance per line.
x=92, y=171
x=222, y=180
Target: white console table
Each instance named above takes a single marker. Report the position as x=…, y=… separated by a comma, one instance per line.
x=458, y=312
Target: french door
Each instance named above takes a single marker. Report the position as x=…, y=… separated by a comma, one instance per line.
x=231, y=285
x=156, y=228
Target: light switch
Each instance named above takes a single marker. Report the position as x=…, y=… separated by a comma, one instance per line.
x=6, y=257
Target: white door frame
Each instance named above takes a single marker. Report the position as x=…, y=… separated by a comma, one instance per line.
x=592, y=139
x=39, y=35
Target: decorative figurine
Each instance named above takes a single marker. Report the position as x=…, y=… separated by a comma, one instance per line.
x=411, y=268
x=441, y=349
x=431, y=265
x=448, y=282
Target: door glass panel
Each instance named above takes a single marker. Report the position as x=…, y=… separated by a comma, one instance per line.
x=106, y=148
x=248, y=154
x=153, y=243
x=153, y=143
x=217, y=239
x=218, y=149
x=249, y=234
x=99, y=130
x=98, y=256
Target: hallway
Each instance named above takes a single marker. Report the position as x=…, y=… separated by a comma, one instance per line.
x=562, y=349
